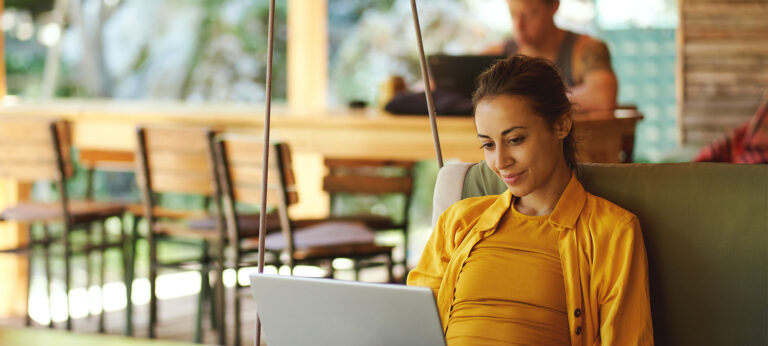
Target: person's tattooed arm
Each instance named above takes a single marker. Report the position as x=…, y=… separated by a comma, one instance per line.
x=595, y=57
x=597, y=88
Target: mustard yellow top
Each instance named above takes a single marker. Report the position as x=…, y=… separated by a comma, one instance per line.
x=601, y=248
x=511, y=288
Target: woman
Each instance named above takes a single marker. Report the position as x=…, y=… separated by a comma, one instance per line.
x=546, y=262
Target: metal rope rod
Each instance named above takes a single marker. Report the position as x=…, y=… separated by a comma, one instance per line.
x=267, y=125
x=427, y=88
x=265, y=167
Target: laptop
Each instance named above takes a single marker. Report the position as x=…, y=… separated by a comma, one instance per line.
x=458, y=73
x=309, y=311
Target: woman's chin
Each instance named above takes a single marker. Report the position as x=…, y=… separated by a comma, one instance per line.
x=518, y=191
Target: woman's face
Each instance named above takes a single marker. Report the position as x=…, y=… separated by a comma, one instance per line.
x=519, y=146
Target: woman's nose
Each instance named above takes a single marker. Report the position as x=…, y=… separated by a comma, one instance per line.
x=503, y=159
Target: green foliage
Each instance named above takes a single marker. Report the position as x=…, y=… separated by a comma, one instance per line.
x=34, y=6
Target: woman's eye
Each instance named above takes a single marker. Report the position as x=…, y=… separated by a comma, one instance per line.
x=516, y=140
x=486, y=145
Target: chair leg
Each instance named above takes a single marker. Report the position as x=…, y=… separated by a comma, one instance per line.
x=331, y=270
x=390, y=277
x=88, y=268
x=356, y=268
x=67, y=274
x=48, y=281
x=29, y=254
x=129, y=259
x=102, y=274
x=405, y=254
x=221, y=303
x=210, y=286
x=236, y=307
x=202, y=297
x=152, y=286
x=27, y=318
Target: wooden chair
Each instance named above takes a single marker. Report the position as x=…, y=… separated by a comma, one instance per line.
x=92, y=160
x=375, y=178
x=178, y=160
x=239, y=161
x=35, y=150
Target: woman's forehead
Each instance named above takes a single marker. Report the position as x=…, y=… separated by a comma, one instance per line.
x=496, y=114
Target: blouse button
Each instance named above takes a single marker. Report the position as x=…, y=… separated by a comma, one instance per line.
x=578, y=330
x=577, y=313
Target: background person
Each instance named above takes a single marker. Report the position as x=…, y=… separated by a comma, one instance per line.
x=585, y=62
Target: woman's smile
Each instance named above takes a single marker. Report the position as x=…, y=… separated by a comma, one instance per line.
x=511, y=178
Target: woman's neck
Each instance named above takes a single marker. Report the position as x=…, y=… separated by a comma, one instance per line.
x=543, y=200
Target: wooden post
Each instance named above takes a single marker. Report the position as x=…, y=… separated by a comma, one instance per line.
x=307, y=54
x=14, y=293
x=13, y=290
x=680, y=71
x=3, y=89
x=308, y=90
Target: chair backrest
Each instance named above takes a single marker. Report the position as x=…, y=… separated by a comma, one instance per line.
x=369, y=177
x=32, y=150
x=705, y=228
x=176, y=160
x=240, y=165
x=243, y=163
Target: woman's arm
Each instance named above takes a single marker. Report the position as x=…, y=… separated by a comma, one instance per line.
x=434, y=259
x=621, y=284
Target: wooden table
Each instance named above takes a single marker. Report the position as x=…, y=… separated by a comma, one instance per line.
x=102, y=128
x=32, y=337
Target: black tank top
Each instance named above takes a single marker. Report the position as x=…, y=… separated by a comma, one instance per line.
x=564, y=55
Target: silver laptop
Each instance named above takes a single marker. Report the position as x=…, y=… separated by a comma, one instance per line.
x=307, y=311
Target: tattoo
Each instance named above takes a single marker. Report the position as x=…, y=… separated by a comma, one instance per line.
x=596, y=57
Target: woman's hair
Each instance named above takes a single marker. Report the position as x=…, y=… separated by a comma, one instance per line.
x=538, y=82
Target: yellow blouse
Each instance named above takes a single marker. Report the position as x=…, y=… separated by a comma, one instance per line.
x=511, y=289
x=601, y=248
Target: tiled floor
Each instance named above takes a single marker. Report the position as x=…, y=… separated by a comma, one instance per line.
x=176, y=310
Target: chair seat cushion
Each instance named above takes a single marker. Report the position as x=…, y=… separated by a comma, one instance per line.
x=247, y=223
x=182, y=229
x=347, y=250
x=81, y=211
x=324, y=234
x=163, y=213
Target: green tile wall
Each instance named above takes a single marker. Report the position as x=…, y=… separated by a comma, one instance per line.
x=644, y=62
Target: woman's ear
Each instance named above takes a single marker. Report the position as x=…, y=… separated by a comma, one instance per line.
x=563, y=126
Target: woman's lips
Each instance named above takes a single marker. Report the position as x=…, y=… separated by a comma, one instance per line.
x=510, y=179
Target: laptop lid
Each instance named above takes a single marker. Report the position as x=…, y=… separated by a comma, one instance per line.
x=459, y=73
x=308, y=311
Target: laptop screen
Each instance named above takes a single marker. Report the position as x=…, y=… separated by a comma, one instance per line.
x=310, y=311
x=459, y=73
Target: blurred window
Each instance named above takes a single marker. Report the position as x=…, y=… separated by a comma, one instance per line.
x=371, y=40
x=197, y=50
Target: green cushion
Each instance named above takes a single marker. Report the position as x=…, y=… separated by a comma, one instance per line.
x=705, y=227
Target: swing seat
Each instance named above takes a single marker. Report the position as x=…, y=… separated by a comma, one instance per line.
x=705, y=228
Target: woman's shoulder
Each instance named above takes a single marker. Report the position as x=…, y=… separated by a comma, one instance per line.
x=468, y=209
x=606, y=213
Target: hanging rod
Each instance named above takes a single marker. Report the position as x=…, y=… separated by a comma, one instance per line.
x=426, y=76
x=265, y=167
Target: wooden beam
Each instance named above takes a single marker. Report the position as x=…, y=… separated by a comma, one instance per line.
x=307, y=54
